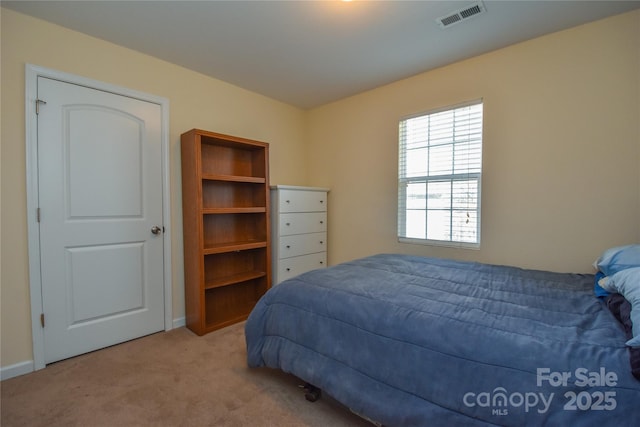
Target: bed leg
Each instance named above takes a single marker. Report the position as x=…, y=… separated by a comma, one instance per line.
x=311, y=392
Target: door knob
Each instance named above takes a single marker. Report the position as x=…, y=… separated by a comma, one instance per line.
x=156, y=230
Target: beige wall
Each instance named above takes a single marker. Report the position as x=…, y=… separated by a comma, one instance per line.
x=196, y=101
x=561, y=147
x=561, y=160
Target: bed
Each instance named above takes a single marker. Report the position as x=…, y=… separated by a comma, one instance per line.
x=413, y=341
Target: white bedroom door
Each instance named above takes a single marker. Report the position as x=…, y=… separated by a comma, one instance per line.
x=100, y=200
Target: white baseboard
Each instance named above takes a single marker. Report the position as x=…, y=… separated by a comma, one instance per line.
x=27, y=366
x=179, y=322
x=16, y=370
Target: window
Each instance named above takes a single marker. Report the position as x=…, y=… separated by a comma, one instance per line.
x=440, y=170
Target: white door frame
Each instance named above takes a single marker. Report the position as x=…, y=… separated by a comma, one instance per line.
x=32, y=72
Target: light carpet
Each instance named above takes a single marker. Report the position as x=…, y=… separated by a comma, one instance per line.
x=170, y=378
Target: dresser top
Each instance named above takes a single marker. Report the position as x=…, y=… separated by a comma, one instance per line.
x=295, y=187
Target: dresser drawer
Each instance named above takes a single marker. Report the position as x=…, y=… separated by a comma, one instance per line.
x=302, y=201
x=302, y=244
x=299, y=223
x=294, y=266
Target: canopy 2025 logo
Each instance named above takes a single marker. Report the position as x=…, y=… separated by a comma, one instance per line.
x=500, y=400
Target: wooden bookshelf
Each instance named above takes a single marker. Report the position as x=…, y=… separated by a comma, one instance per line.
x=227, y=250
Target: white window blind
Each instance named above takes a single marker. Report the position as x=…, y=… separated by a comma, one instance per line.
x=440, y=169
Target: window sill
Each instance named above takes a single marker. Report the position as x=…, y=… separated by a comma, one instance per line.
x=441, y=243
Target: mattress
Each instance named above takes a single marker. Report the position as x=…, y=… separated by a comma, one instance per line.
x=405, y=340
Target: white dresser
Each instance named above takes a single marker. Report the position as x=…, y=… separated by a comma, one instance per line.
x=298, y=230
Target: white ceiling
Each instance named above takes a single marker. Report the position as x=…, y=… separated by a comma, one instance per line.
x=308, y=53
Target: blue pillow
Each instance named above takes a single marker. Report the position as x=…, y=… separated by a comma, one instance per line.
x=627, y=283
x=619, y=258
x=600, y=291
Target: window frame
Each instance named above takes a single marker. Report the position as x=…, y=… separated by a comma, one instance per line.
x=404, y=181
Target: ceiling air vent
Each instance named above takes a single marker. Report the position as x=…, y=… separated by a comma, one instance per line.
x=461, y=14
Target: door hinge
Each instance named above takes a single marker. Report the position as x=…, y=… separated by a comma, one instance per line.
x=38, y=102
x=42, y=319
x=38, y=214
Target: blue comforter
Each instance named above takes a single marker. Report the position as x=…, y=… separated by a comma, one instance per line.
x=412, y=341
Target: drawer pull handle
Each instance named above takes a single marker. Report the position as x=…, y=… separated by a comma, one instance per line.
x=321, y=201
x=288, y=201
x=321, y=242
x=288, y=269
x=321, y=262
x=288, y=246
x=321, y=222
x=288, y=224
